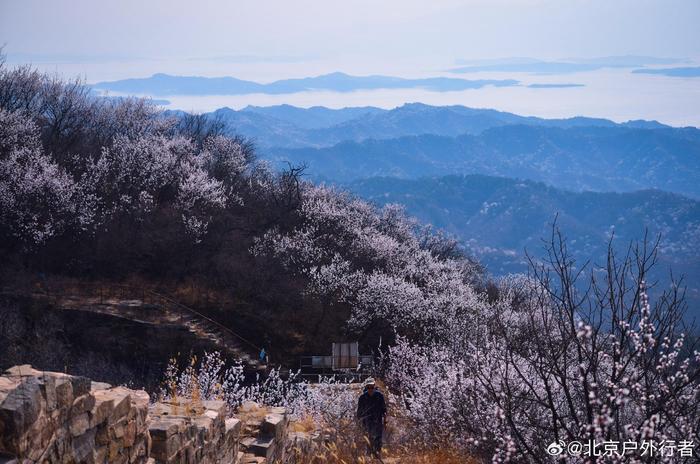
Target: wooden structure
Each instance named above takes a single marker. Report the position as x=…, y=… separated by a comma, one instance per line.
x=345, y=359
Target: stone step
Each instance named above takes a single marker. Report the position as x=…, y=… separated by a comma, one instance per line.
x=263, y=447
x=172, y=314
x=248, y=458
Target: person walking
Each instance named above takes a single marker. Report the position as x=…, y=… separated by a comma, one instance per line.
x=371, y=413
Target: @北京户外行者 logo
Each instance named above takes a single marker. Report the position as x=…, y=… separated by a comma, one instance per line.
x=645, y=448
x=555, y=449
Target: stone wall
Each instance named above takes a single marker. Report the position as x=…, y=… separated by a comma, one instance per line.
x=54, y=417
x=264, y=433
x=193, y=433
x=50, y=417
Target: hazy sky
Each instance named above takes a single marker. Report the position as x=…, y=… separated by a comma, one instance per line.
x=373, y=29
x=266, y=40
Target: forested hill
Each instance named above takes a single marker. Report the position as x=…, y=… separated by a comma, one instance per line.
x=112, y=189
x=499, y=218
x=577, y=158
x=107, y=191
x=287, y=126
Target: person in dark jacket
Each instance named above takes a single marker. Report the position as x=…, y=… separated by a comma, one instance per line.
x=371, y=413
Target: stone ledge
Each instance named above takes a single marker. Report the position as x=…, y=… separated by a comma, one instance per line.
x=55, y=417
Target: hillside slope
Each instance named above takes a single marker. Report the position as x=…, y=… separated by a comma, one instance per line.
x=498, y=219
x=577, y=158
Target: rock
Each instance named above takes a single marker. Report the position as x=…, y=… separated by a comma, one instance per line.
x=263, y=447
x=49, y=390
x=18, y=411
x=96, y=386
x=25, y=370
x=83, y=445
x=82, y=404
x=64, y=392
x=248, y=458
x=79, y=424
x=232, y=426
x=130, y=434
x=103, y=407
x=163, y=427
x=201, y=437
x=81, y=385
x=274, y=425
x=122, y=402
x=55, y=417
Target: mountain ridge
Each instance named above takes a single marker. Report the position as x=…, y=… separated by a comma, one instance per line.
x=320, y=126
x=161, y=84
x=574, y=158
x=499, y=218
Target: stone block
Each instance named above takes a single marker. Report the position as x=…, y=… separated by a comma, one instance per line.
x=274, y=425
x=24, y=370
x=83, y=446
x=204, y=425
x=281, y=410
x=54, y=417
x=263, y=447
x=233, y=427
x=122, y=403
x=81, y=385
x=165, y=449
x=82, y=404
x=19, y=410
x=64, y=392
x=97, y=386
x=215, y=405
x=163, y=427
x=102, y=435
x=79, y=424
x=102, y=409
x=139, y=451
x=48, y=387
x=249, y=458
x=118, y=428
x=130, y=434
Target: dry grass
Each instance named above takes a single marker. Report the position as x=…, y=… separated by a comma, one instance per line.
x=342, y=442
x=442, y=455
x=353, y=451
x=251, y=411
x=305, y=424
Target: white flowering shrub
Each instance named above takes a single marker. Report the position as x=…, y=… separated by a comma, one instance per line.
x=550, y=363
x=36, y=195
x=374, y=261
x=209, y=379
x=98, y=187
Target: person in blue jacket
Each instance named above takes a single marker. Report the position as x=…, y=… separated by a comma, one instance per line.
x=371, y=413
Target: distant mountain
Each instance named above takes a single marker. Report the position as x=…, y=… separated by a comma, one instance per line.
x=165, y=85
x=672, y=72
x=565, y=66
x=598, y=158
x=499, y=218
x=540, y=67
x=554, y=86
x=292, y=127
x=262, y=128
x=316, y=117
